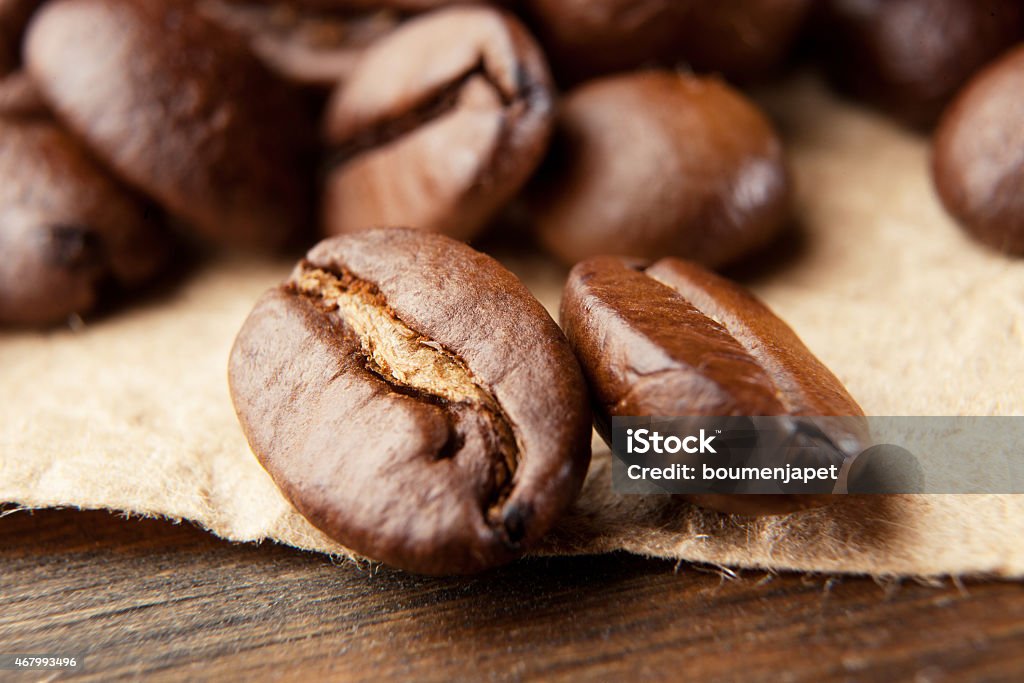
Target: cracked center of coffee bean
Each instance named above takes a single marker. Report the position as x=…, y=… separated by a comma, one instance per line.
x=397, y=352
x=408, y=360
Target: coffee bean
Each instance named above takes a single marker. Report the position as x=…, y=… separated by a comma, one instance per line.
x=439, y=126
x=741, y=39
x=66, y=228
x=978, y=155
x=673, y=339
x=312, y=46
x=315, y=43
x=413, y=401
x=178, y=107
x=408, y=6
x=653, y=164
x=910, y=57
x=738, y=38
x=586, y=38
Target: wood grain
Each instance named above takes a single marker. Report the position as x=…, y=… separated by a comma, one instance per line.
x=147, y=598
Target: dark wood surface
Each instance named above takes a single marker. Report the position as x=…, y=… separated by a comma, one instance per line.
x=146, y=598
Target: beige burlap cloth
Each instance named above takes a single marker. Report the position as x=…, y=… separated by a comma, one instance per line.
x=132, y=412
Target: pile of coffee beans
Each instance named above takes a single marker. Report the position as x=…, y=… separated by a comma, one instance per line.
x=406, y=392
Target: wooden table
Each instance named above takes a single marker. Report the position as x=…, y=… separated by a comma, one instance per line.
x=150, y=598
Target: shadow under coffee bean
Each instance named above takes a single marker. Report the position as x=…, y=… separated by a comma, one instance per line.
x=413, y=401
x=14, y=17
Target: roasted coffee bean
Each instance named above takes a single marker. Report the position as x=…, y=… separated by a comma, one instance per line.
x=66, y=228
x=413, y=401
x=309, y=46
x=739, y=38
x=910, y=57
x=315, y=42
x=673, y=339
x=180, y=108
x=586, y=38
x=439, y=126
x=655, y=164
x=407, y=6
x=978, y=155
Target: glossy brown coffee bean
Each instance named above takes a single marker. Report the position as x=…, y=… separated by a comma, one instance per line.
x=311, y=46
x=439, y=126
x=315, y=42
x=910, y=57
x=66, y=228
x=585, y=38
x=181, y=109
x=741, y=39
x=978, y=155
x=413, y=401
x=673, y=339
x=655, y=164
x=357, y=6
x=738, y=38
